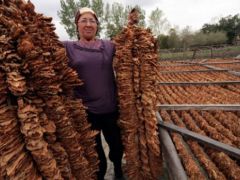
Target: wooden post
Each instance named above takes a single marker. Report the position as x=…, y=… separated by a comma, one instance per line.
x=211, y=52
x=194, y=53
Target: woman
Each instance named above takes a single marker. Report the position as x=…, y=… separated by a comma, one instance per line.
x=92, y=59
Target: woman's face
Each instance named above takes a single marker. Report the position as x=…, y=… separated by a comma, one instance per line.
x=87, y=26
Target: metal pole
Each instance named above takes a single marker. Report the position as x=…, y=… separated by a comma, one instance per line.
x=173, y=162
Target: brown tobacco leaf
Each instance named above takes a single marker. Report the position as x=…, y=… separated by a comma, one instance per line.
x=16, y=83
x=25, y=46
x=34, y=80
x=135, y=64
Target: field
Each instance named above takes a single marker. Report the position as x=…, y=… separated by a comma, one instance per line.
x=223, y=52
x=195, y=84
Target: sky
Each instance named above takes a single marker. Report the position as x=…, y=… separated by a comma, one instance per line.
x=180, y=13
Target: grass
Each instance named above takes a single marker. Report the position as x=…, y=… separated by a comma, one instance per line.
x=224, y=52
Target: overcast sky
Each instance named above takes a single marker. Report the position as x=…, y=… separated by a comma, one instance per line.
x=181, y=13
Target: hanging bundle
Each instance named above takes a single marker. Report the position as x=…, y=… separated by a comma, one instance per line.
x=44, y=133
x=135, y=64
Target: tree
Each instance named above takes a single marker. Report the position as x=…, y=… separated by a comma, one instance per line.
x=112, y=17
x=219, y=37
x=163, y=41
x=229, y=24
x=69, y=9
x=186, y=37
x=84, y=3
x=207, y=28
x=97, y=6
x=157, y=22
x=200, y=39
x=173, y=40
x=206, y=39
x=67, y=16
x=115, y=19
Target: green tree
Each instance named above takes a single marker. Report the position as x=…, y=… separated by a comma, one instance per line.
x=157, y=23
x=229, y=24
x=84, y=3
x=69, y=9
x=163, y=41
x=173, y=40
x=106, y=12
x=186, y=37
x=112, y=17
x=207, y=28
x=200, y=39
x=115, y=20
x=67, y=16
x=97, y=6
x=219, y=37
x=206, y=39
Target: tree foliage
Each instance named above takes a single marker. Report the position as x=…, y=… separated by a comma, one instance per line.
x=69, y=9
x=163, y=41
x=174, y=39
x=157, y=22
x=212, y=38
x=186, y=39
x=97, y=6
x=113, y=17
x=67, y=15
x=115, y=20
x=229, y=24
x=84, y=3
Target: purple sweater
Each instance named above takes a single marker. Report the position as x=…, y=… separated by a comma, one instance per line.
x=94, y=68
